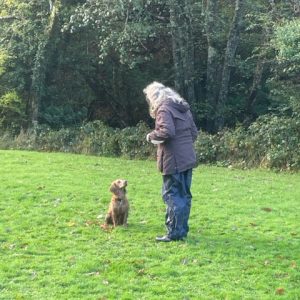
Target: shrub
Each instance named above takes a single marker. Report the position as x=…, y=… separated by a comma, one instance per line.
x=11, y=111
x=51, y=140
x=279, y=139
x=271, y=142
x=96, y=138
x=206, y=147
x=133, y=144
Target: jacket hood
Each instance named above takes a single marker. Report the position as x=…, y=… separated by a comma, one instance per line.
x=181, y=107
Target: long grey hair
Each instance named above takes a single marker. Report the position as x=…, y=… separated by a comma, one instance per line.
x=156, y=93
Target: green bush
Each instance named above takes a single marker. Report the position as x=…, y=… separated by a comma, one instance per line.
x=271, y=142
x=279, y=139
x=91, y=138
x=50, y=140
x=206, y=148
x=133, y=144
x=11, y=111
x=98, y=139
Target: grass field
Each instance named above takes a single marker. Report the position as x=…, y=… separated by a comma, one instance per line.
x=244, y=240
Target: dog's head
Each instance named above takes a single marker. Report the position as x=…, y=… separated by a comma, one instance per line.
x=118, y=187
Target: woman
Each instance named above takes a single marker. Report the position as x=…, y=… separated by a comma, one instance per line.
x=175, y=132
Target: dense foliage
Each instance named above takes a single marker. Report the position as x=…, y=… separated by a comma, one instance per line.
x=65, y=62
x=270, y=142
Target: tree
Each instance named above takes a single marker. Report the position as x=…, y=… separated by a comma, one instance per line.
x=286, y=81
x=19, y=38
x=45, y=48
x=219, y=64
x=72, y=61
x=232, y=44
x=129, y=36
x=183, y=47
x=213, y=59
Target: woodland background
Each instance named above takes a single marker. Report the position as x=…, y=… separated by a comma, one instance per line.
x=71, y=65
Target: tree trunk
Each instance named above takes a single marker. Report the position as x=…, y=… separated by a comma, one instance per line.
x=183, y=48
x=232, y=44
x=43, y=53
x=177, y=61
x=260, y=67
x=189, y=57
x=296, y=6
x=257, y=77
x=213, y=60
x=254, y=89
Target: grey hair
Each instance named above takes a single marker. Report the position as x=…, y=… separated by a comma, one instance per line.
x=156, y=93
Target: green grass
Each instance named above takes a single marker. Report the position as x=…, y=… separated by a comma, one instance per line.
x=244, y=240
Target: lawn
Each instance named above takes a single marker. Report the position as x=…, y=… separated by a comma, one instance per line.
x=244, y=240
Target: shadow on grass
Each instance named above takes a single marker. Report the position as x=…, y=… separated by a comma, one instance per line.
x=247, y=245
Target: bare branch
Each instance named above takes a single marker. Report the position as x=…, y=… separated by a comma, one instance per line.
x=7, y=18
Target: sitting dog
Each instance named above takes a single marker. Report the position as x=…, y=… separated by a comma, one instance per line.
x=119, y=206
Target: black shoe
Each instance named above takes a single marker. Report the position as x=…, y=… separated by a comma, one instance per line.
x=164, y=238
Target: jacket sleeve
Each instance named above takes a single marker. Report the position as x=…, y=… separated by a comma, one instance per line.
x=164, y=126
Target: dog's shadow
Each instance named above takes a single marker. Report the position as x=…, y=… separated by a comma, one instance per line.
x=139, y=229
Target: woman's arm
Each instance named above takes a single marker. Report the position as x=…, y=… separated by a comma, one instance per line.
x=164, y=126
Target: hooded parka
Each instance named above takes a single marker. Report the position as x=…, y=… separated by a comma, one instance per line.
x=174, y=126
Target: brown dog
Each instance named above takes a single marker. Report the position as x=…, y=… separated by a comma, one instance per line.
x=118, y=209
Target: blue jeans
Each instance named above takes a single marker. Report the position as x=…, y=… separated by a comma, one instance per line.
x=177, y=196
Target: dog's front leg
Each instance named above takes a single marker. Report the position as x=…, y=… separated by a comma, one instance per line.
x=125, y=219
x=114, y=219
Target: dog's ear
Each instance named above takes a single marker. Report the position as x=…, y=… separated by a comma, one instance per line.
x=113, y=188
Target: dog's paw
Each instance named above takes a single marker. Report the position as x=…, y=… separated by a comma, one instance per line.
x=104, y=227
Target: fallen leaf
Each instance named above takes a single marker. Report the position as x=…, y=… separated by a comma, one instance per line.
x=24, y=246
x=71, y=224
x=280, y=291
x=91, y=222
x=293, y=265
x=72, y=259
x=267, y=262
x=267, y=209
x=252, y=247
x=57, y=201
x=12, y=246
x=281, y=275
x=93, y=274
x=141, y=272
